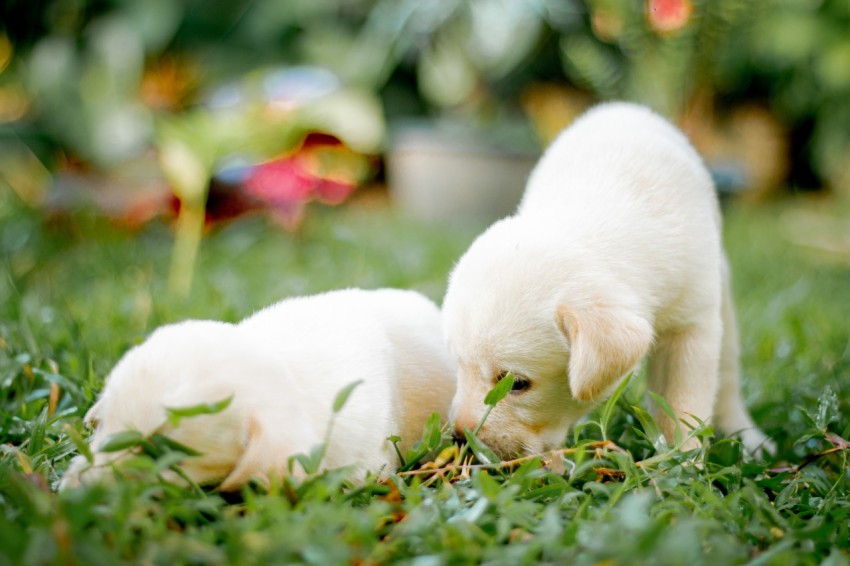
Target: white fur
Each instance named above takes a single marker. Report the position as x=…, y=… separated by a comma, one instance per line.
x=614, y=254
x=284, y=366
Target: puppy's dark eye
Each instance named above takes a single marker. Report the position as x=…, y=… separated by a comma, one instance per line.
x=520, y=383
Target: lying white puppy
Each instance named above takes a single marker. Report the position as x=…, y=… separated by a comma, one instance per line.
x=614, y=253
x=283, y=367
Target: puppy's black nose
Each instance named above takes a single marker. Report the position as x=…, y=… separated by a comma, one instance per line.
x=458, y=437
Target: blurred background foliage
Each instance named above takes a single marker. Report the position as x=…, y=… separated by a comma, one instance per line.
x=161, y=106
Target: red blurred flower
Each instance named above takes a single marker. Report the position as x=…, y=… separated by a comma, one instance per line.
x=321, y=169
x=667, y=16
x=285, y=185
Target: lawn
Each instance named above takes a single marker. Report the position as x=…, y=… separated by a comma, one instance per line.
x=77, y=292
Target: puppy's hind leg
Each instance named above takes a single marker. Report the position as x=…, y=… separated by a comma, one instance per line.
x=730, y=414
x=270, y=442
x=683, y=369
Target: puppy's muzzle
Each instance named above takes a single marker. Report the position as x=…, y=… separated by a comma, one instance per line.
x=459, y=426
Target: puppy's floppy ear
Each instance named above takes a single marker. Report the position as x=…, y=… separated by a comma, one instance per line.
x=606, y=340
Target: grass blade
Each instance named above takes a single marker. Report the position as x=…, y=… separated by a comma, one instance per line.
x=122, y=441
x=483, y=452
x=650, y=428
x=78, y=440
x=39, y=430
x=662, y=403
x=168, y=444
x=342, y=397
x=500, y=391
x=175, y=414
x=610, y=404
x=433, y=435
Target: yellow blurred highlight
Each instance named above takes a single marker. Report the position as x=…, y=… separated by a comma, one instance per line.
x=14, y=103
x=6, y=51
x=24, y=172
x=552, y=107
x=607, y=24
x=23, y=460
x=337, y=164
x=53, y=399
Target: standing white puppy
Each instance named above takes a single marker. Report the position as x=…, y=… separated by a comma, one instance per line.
x=614, y=253
x=283, y=368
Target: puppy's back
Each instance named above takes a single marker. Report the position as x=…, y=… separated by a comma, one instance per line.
x=390, y=339
x=613, y=159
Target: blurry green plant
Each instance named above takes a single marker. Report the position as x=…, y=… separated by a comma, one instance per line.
x=800, y=52
x=194, y=144
x=191, y=145
x=794, y=54
x=463, y=64
x=461, y=49
x=666, y=54
x=84, y=77
x=110, y=82
x=76, y=68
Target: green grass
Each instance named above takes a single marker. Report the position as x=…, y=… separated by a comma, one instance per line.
x=76, y=293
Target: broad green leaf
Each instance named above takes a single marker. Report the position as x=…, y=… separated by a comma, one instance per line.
x=306, y=463
x=433, y=435
x=175, y=414
x=725, y=453
x=500, y=390
x=311, y=462
x=413, y=456
x=39, y=430
x=650, y=428
x=527, y=468
x=170, y=461
x=487, y=485
x=78, y=440
x=342, y=396
x=169, y=444
x=484, y=454
x=610, y=404
x=122, y=441
x=663, y=404
x=668, y=410
x=827, y=408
